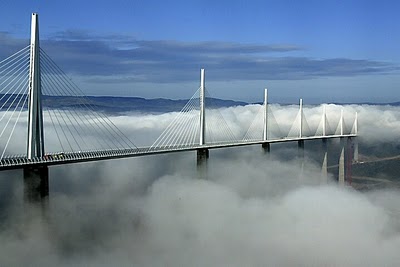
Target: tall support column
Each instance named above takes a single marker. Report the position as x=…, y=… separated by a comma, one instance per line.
x=324, y=170
x=202, y=158
x=300, y=143
x=202, y=153
x=341, y=163
x=35, y=117
x=348, y=156
x=342, y=170
x=300, y=149
x=36, y=179
x=36, y=184
x=324, y=122
x=341, y=122
x=266, y=146
x=355, y=150
x=301, y=119
x=265, y=130
x=202, y=108
x=300, y=157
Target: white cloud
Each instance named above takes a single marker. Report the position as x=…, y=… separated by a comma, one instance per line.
x=251, y=211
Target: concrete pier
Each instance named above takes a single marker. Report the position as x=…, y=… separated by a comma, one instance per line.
x=266, y=147
x=36, y=184
x=300, y=157
x=324, y=170
x=300, y=149
x=202, y=158
x=341, y=175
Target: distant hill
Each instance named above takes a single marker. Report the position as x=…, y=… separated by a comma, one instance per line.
x=111, y=104
x=126, y=104
x=371, y=103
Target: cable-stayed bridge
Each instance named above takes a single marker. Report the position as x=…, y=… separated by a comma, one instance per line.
x=30, y=79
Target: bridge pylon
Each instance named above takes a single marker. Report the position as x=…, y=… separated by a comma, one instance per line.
x=324, y=170
x=35, y=117
x=300, y=143
x=202, y=153
x=36, y=185
x=355, y=151
x=265, y=146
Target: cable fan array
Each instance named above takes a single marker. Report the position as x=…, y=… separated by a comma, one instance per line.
x=14, y=78
x=68, y=114
x=256, y=128
x=184, y=129
x=78, y=126
x=73, y=124
x=274, y=129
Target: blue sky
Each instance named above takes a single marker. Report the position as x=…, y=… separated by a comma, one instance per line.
x=323, y=51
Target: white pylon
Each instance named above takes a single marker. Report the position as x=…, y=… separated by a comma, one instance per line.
x=265, y=133
x=341, y=122
x=202, y=108
x=355, y=152
x=301, y=118
x=324, y=121
x=35, y=118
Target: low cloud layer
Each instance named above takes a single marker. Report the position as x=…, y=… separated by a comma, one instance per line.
x=376, y=124
x=179, y=220
x=250, y=211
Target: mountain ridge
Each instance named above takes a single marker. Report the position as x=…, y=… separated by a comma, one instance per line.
x=118, y=104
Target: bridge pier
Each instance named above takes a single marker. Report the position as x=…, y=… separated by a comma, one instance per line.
x=266, y=147
x=300, y=156
x=341, y=175
x=355, y=150
x=202, y=157
x=36, y=178
x=300, y=149
x=345, y=160
x=324, y=171
x=349, y=159
x=36, y=184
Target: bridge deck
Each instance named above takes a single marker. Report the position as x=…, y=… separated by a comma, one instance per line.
x=18, y=162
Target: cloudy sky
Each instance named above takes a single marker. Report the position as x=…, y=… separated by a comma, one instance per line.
x=322, y=51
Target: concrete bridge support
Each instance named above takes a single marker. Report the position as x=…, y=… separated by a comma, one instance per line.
x=324, y=171
x=300, y=149
x=202, y=158
x=341, y=176
x=300, y=143
x=202, y=153
x=36, y=184
x=345, y=160
x=35, y=118
x=355, y=149
x=36, y=179
x=300, y=156
x=349, y=153
x=266, y=147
